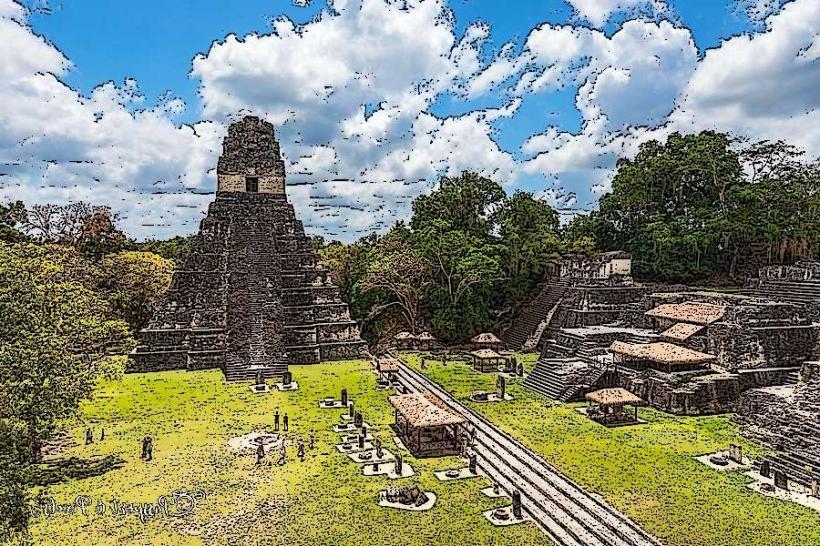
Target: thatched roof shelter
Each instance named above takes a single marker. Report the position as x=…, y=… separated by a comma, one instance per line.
x=485, y=354
x=662, y=355
x=614, y=397
x=694, y=312
x=424, y=410
x=606, y=406
x=486, y=338
x=387, y=364
x=487, y=360
x=681, y=331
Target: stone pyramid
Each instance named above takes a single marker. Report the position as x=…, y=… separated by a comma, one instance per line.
x=251, y=295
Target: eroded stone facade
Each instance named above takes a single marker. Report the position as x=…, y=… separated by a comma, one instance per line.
x=251, y=160
x=251, y=296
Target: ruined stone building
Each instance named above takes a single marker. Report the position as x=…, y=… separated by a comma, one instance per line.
x=787, y=416
x=251, y=295
x=577, y=285
x=682, y=351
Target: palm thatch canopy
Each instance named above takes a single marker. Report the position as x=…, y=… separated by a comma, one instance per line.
x=681, y=331
x=661, y=352
x=486, y=338
x=614, y=397
x=485, y=354
x=694, y=312
x=423, y=410
x=387, y=364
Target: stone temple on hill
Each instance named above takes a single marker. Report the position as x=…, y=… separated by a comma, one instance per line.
x=251, y=295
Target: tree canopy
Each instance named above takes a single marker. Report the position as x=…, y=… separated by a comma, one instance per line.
x=703, y=206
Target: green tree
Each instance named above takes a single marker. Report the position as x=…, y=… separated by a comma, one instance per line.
x=528, y=230
x=465, y=268
x=134, y=283
x=663, y=200
x=399, y=274
x=175, y=248
x=12, y=219
x=467, y=202
x=14, y=459
x=54, y=332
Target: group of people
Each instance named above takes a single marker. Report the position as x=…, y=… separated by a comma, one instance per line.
x=285, y=421
x=89, y=436
x=300, y=443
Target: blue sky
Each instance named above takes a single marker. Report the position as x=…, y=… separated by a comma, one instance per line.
x=407, y=92
x=154, y=41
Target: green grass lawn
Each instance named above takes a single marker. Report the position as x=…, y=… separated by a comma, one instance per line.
x=324, y=500
x=648, y=471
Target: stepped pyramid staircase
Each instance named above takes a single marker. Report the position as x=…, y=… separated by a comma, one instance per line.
x=795, y=463
x=807, y=291
x=251, y=296
x=533, y=318
x=552, y=378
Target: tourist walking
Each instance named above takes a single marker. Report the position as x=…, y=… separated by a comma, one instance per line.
x=260, y=451
x=276, y=420
x=285, y=422
x=282, y=453
x=147, y=449
x=312, y=439
x=300, y=450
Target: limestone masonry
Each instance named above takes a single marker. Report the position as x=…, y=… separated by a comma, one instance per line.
x=251, y=295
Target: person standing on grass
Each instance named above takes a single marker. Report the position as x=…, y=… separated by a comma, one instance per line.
x=260, y=451
x=285, y=422
x=300, y=452
x=276, y=420
x=282, y=453
x=89, y=436
x=312, y=439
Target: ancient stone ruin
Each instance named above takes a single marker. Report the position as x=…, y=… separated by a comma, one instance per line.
x=682, y=351
x=251, y=295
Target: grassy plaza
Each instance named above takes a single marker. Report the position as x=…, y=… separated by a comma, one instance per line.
x=649, y=471
x=323, y=500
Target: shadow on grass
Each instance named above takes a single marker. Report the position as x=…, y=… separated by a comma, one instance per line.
x=72, y=468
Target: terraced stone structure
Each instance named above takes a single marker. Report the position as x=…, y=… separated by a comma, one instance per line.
x=251, y=296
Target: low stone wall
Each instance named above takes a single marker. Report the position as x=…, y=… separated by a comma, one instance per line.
x=743, y=347
x=774, y=418
x=685, y=394
x=343, y=351
x=808, y=393
x=755, y=379
x=140, y=362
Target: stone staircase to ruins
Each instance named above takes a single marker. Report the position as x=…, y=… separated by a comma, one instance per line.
x=549, y=378
x=532, y=315
x=807, y=291
x=255, y=312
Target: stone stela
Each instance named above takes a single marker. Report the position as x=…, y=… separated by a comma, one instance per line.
x=736, y=453
x=250, y=297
